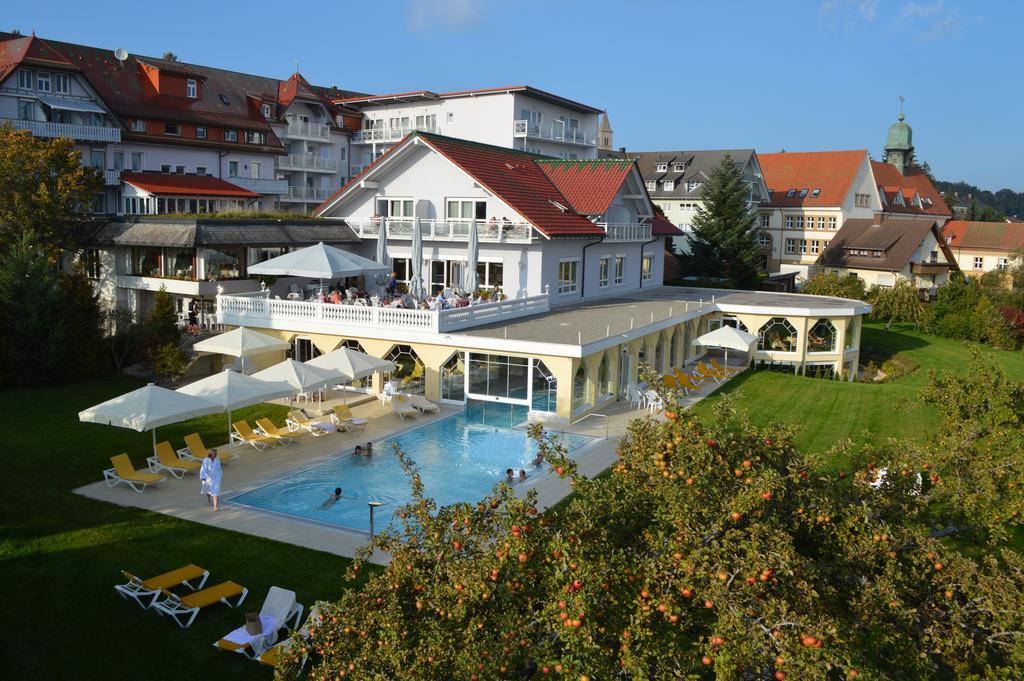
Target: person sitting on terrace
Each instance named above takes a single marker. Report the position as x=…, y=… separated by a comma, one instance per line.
x=376, y=219
x=335, y=297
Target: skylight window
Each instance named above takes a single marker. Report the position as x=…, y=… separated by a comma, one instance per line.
x=224, y=100
x=803, y=193
x=815, y=193
x=791, y=193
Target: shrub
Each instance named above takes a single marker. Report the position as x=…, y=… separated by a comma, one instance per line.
x=831, y=284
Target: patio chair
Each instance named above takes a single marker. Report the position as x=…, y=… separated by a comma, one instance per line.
x=402, y=407
x=124, y=471
x=670, y=382
x=279, y=611
x=184, y=609
x=724, y=370
x=272, y=657
x=636, y=397
x=244, y=434
x=707, y=372
x=653, y=402
x=167, y=460
x=423, y=404
x=298, y=421
x=195, y=450
x=683, y=377
x=342, y=415
x=139, y=589
x=286, y=436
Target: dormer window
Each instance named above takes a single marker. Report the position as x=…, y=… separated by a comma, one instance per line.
x=692, y=185
x=173, y=129
x=265, y=110
x=200, y=132
x=43, y=81
x=230, y=135
x=191, y=88
x=661, y=167
x=678, y=167
x=138, y=125
x=255, y=137
x=668, y=185
x=651, y=185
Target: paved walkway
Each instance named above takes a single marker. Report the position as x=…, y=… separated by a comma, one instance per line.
x=181, y=498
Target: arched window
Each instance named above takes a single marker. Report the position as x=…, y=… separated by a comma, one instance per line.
x=673, y=355
x=545, y=388
x=777, y=335
x=822, y=337
x=604, y=376
x=579, y=387
x=453, y=378
x=641, y=354
x=408, y=369
x=659, y=353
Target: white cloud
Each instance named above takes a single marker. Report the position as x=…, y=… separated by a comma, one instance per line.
x=866, y=9
x=447, y=15
x=930, y=21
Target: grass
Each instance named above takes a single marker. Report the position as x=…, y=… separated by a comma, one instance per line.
x=61, y=554
x=829, y=411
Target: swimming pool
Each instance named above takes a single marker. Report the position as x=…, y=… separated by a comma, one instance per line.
x=460, y=457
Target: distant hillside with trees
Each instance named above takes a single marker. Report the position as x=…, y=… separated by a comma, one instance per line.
x=985, y=205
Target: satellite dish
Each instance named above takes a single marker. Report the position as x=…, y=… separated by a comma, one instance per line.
x=121, y=54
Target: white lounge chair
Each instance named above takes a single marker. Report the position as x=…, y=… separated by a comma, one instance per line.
x=299, y=421
x=184, y=609
x=402, y=407
x=279, y=611
x=139, y=589
x=422, y=403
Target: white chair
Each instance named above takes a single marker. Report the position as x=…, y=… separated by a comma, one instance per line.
x=422, y=404
x=636, y=397
x=402, y=407
x=653, y=402
x=279, y=611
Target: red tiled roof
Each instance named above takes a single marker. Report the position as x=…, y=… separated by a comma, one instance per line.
x=185, y=185
x=589, y=184
x=832, y=172
x=888, y=176
x=992, y=236
x=29, y=49
x=661, y=226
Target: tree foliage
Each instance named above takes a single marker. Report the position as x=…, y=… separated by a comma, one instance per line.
x=897, y=304
x=45, y=191
x=723, y=242
x=711, y=550
x=162, y=322
x=994, y=204
x=825, y=283
x=965, y=308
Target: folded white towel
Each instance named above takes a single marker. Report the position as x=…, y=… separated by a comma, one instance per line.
x=240, y=636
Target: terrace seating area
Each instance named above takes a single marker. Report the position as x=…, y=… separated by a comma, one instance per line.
x=683, y=387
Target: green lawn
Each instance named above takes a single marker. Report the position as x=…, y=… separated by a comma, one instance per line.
x=829, y=411
x=61, y=554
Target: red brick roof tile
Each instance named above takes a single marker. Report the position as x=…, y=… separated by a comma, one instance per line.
x=589, y=184
x=661, y=226
x=832, y=172
x=888, y=177
x=185, y=185
x=994, y=236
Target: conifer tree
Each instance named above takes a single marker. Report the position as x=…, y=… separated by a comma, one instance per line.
x=723, y=243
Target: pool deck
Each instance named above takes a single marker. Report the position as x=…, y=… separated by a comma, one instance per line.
x=181, y=498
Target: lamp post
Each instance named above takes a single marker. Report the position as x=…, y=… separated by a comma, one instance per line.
x=372, y=505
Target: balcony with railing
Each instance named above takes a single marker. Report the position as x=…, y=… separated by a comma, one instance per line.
x=308, y=131
x=260, y=311
x=307, y=162
x=112, y=178
x=260, y=186
x=444, y=230
x=626, y=231
x=84, y=133
x=314, y=194
x=556, y=131
x=388, y=134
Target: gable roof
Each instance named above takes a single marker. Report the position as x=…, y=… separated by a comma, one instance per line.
x=989, y=236
x=661, y=226
x=185, y=185
x=897, y=238
x=833, y=172
x=16, y=50
x=698, y=167
x=589, y=184
x=888, y=176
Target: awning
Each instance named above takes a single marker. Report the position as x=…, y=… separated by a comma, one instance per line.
x=71, y=105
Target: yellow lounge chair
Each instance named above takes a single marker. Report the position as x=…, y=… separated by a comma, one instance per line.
x=189, y=606
x=138, y=589
x=670, y=382
x=724, y=370
x=343, y=415
x=124, y=471
x=286, y=436
x=244, y=434
x=298, y=421
x=281, y=609
x=195, y=450
x=707, y=372
x=167, y=460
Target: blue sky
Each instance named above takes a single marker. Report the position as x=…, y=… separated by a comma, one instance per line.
x=794, y=75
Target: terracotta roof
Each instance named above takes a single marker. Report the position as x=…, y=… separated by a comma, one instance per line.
x=661, y=226
x=15, y=50
x=832, y=172
x=369, y=100
x=888, y=176
x=185, y=185
x=990, y=236
x=589, y=184
x=897, y=238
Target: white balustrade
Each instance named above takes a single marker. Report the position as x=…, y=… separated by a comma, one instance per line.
x=305, y=194
x=388, y=134
x=556, y=131
x=312, y=130
x=87, y=133
x=307, y=162
x=632, y=231
x=444, y=230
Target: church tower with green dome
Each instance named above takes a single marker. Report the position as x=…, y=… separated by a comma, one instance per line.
x=899, y=145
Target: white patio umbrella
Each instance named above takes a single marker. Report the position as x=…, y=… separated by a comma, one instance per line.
x=232, y=390
x=319, y=262
x=148, y=408
x=727, y=338
x=469, y=275
x=241, y=343
x=299, y=375
x=352, y=364
x=415, y=277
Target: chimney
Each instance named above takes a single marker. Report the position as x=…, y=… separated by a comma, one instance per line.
x=876, y=219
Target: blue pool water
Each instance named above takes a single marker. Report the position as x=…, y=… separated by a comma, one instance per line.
x=460, y=458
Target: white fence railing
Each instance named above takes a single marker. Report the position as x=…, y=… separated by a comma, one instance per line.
x=112, y=178
x=632, y=231
x=444, y=230
x=88, y=133
x=556, y=131
x=387, y=134
x=306, y=194
x=311, y=130
x=295, y=315
x=260, y=186
x=306, y=162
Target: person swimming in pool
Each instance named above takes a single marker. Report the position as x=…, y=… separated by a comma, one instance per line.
x=522, y=475
x=331, y=499
x=510, y=475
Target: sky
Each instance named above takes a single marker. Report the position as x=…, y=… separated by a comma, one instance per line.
x=791, y=74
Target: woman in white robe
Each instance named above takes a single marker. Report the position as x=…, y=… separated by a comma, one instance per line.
x=210, y=474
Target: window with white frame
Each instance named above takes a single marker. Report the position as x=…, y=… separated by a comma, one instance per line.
x=933, y=257
x=43, y=81
x=803, y=246
x=832, y=223
x=620, y=269
x=661, y=167
x=191, y=89
x=200, y=170
x=678, y=167
x=232, y=168
x=567, y=279
x=255, y=137
x=821, y=222
x=138, y=125
x=602, y=272
x=61, y=83
x=647, y=268
x=465, y=209
x=165, y=168
x=1002, y=263
x=651, y=185
x=230, y=135
x=668, y=185
x=862, y=200
x=91, y=260
x=789, y=222
x=395, y=208
x=25, y=79
x=766, y=221
x=799, y=221
x=200, y=133
x=764, y=240
x=265, y=110
x=791, y=246
x=692, y=185
x=490, y=274
x=815, y=245
x=979, y=262
x=451, y=117
x=136, y=161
